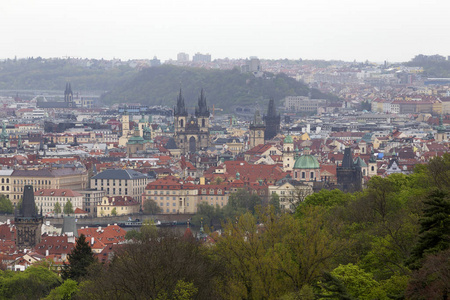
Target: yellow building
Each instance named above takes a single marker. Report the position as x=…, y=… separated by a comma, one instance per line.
x=118, y=205
x=235, y=146
x=66, y=178
x=172, y=196
x=290, y=194
x=5, y=182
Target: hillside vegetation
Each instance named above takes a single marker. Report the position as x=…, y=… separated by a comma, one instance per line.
x=223, y=88
x=434, y=66
x=46, y=74
x=150, y=86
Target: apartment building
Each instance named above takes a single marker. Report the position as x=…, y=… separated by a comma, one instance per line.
x=120, y=182
x=47, y=198
x=65, y=178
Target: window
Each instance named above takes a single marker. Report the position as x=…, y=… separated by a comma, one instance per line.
x=303, y=175
x=311, y=175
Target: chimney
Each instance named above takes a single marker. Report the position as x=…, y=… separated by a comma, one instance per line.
x=47, y=253
x=92, y=241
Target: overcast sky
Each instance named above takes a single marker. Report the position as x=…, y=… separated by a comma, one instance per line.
x=377, y=30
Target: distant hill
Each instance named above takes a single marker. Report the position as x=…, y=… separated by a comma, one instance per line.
x=223, y=88
x=52, y=74
x=152, y=86
x=435, y=66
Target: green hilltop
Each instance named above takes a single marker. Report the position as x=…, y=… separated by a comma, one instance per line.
x=151, y=86
x=52, y=74
x=223, y=88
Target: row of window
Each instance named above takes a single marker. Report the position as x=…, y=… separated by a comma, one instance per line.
x=211, y=192
x=30, y=181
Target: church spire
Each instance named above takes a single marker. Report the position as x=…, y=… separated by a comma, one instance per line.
x=180, y=109
x=202, y=109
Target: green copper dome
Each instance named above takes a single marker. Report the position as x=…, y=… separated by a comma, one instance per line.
x=306, y=162
x=135, y=140
x=288, y=140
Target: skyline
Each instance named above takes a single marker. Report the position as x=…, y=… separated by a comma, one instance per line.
x=348, y=30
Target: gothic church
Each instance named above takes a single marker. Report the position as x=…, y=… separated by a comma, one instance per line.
x=191, y=132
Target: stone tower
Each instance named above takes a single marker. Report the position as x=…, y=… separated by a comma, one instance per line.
x=68, y=95
x=349, y=175
x=272, y=120
x=288, y=154
x=28, y=222
x=257, y=128
x=125, y=124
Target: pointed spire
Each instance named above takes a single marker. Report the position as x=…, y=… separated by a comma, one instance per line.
x=180, y=109
x=202, y=109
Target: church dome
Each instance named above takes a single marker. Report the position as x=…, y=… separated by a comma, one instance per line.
x=306, y=162
x=288, y=140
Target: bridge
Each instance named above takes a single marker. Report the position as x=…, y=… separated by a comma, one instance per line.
x=105, y=221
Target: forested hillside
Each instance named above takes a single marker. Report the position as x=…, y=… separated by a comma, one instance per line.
x=46, y=74
x=151, y=86
x=224, y=88
x=435, y=66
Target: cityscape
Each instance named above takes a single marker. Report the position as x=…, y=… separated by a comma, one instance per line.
x=333, y=176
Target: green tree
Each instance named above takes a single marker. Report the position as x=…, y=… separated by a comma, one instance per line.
x=275, y=202
x=68, y=208
x=133, y=235
x=208, y=214
x=183, y=291
x=357, y=282
x=241, y=202
x=79, y=259
x=435, y=227
x=6, y=205
x=34, y=283
x=151, y=207
x=165, y=267
x=64, y=292
x=114, y=212
x=57, y=208
x=331, y=287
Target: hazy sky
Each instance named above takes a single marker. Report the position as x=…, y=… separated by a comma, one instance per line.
x=378, y=30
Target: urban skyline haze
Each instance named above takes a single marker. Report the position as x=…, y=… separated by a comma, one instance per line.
x=322, y=29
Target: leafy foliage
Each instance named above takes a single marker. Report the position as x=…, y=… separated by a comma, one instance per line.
x=68, y=207
x=34, y=283
x=57, y=208
x=64, y=292
x=79, y=259
x=5, y=205
x=163, y=267
x=151, y=207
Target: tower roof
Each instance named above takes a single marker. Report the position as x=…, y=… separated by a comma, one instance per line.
x=288, y=140
x=180, y=108
x=347, y=161
x=307, y=162
x=28, y=208
x=202, y=109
